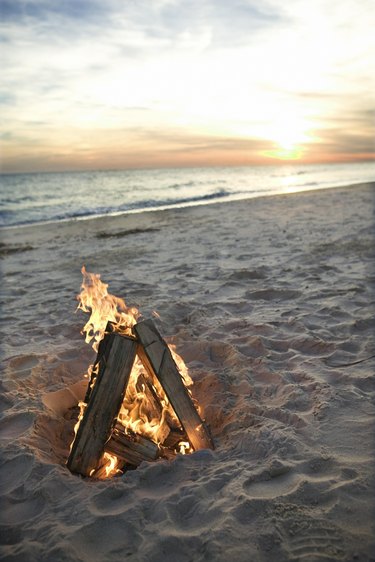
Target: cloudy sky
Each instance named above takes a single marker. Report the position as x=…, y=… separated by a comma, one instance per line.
x=104, y=84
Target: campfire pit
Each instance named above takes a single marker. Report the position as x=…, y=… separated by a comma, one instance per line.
x=138, y=405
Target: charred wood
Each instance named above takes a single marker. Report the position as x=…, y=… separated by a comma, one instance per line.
x=131, y=447
x=116, y=360
x=158, y=360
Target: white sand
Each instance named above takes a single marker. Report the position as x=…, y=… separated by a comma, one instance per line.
x=264, y=299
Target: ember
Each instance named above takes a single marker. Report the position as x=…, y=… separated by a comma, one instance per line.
x=138, y=405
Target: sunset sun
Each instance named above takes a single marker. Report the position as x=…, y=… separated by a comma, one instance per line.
x=288, y=135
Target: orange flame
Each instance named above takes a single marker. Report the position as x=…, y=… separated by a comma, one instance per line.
x=111, y=465
x=82, y=407
x=103, y=308
x=108, y=468
x=146, y=408
x=181, y=365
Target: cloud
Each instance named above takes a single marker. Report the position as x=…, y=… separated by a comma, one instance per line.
x=349, y=136
x=202, y=77
x=25, y=11
x=7, y=98
x=236, y=21
x=338, y=141
x=140, y=26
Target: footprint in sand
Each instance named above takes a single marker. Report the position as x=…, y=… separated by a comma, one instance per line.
x=111, y=501
x=15, y=512
x=122, y=539
x=15, y=472
x=270, y=489
x=315, y=540
x=15, y=425
x=279, y=479
x=21, y=366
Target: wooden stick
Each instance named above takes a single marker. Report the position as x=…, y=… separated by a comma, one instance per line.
x=131, y=447
x=152, y=397
x=101, y=352
x=158, y=359
x=106, y=397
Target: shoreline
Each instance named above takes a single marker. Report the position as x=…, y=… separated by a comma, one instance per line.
x=156, y=213
x=162, y=208
x=271, y=304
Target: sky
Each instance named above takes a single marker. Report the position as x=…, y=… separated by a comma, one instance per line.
x=116, y=84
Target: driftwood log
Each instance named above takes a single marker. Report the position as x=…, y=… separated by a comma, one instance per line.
x=101, y=352
x=130, y=447
x=116, y=358
x=157, y=358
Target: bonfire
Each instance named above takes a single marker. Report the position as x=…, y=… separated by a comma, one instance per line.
x=139, y=404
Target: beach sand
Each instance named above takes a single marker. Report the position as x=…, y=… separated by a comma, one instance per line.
x=271, y=303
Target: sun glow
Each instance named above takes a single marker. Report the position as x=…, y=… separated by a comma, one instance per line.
x=285, y=154
x=289, y=133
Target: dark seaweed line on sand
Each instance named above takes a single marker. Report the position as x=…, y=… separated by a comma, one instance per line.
x=125, y=232
x=5, y=250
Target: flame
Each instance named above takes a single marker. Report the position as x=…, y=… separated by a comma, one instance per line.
x=82, y=407
x=146, y=409
x=111, y=465
x=103, y=308
x=184, y=447
x=181, y=365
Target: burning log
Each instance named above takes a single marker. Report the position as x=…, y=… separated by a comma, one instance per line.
x=131, y=447
x=101, y=353
x=117, y=356
x=153, y=400
x=144, y=385
x=157, y=358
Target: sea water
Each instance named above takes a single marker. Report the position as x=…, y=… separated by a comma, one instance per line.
x=43, y=197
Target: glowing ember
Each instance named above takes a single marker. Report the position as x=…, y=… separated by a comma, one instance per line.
x=184, y=447
x=145, y=410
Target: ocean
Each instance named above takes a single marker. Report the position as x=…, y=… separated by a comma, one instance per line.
x=45, y=197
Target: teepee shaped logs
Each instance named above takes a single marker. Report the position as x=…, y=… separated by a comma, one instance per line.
x=99, y=431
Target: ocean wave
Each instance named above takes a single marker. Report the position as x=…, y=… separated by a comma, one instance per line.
x=307, y=184
x=91, y=212
x=219, y=194
x=53, y=197
x=183, y=184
